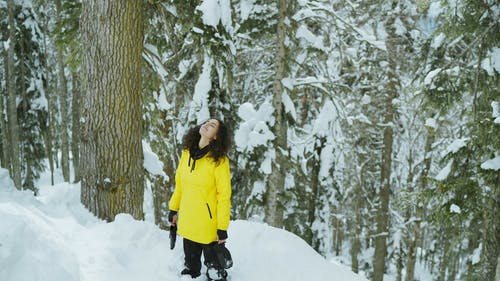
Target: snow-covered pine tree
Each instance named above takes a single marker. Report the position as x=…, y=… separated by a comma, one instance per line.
x=189, y=79
x=252, y=85
x=469, y=183
x=26, y=103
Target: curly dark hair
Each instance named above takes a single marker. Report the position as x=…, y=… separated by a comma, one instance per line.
x=218, y=147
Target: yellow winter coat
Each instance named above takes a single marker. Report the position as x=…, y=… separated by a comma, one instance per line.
x=202, y=198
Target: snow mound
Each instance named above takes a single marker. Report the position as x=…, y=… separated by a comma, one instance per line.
x=261, y=252
x=31, y=248
x=5, y=181
x=52, y=237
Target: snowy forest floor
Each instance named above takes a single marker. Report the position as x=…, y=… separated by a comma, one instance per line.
x=53, y=237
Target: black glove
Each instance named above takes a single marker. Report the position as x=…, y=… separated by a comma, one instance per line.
x=222, y=234
x=171, y=215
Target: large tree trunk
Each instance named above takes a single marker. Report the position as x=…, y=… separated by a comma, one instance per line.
x=276, y=182
x=75, y=128
x=111, y=152
x=13, y=125
x=62, y=90
x=382, y=219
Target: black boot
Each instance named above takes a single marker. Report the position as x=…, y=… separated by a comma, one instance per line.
x=216, y=274
x=187, y=271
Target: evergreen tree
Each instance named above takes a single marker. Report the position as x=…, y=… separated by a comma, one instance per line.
x=26, y=102
x=12, y=120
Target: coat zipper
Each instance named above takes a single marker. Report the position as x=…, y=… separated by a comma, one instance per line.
x=209, y=212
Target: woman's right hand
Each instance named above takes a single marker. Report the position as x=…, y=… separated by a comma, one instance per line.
x=172, y=217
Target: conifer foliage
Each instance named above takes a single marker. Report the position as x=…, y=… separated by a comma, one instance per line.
x=368, y=128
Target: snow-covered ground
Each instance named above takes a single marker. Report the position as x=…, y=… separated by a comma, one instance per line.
x=52, y=237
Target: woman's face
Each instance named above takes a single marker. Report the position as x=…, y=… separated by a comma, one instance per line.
x=209, y=129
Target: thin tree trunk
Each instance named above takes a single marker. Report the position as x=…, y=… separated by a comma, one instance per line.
x=111, y=152
x=453, y=264
x=306, y=104
x=497, y=278
x=315, y=189
x=29, y=181
x=382, y=218
x=491, y=239
x=47, y=139
x=355, y=250
x=62, y=90
x=75, y=128
x=5, y=160
x=399, y=262
x=11, y=103
x=46, y=124
x=443, y=266
x=63, y=106
x=417, y=231
x=276, y=182
x=357, y=224
x=338, y=235
x=25, y=151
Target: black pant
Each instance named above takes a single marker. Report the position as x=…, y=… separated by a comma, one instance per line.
x=192, y=256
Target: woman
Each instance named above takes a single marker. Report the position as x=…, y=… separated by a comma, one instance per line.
x=201, y=202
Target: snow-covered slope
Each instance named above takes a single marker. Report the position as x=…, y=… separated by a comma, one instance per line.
x=52, y=237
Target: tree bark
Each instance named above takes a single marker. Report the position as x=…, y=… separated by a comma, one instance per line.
x=490, y=252
x=12, y=121
x=62, y=90
x=355, y=250
x=111, y=152
x=75, y=128
x=313, y=199
x=46, y=126
x=63, y=106
x=5, y=157
x=338, y=234
x=444, y=262
x=357, y=225
x=382, y=219
x=276, y=182
x=399, y=262
x=417, y=232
